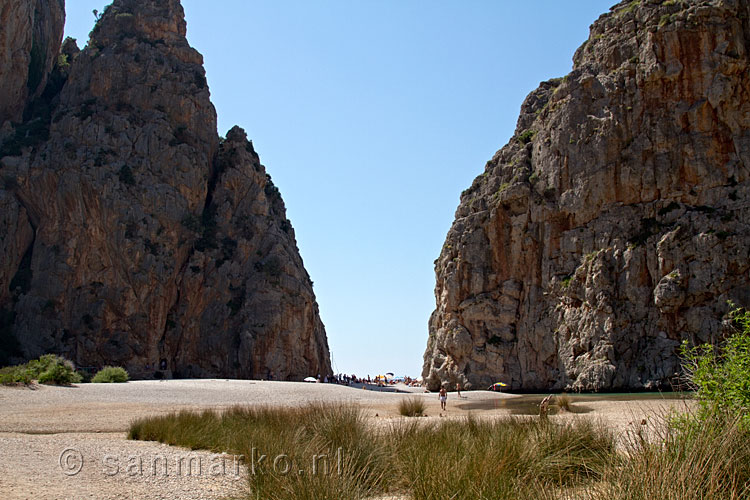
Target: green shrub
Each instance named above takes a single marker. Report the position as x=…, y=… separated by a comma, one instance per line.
x=48, y=369
x=63, y=61
x=721, y=375
x=13, y=375
x=527, y=136
x=411, y=407
x=59, y=374
x=110, y=374
x=53, y=369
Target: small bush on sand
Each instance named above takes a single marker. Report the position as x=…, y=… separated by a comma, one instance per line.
x=110, y=374
x=14, y=375
x=411, y=407
x=48, y=369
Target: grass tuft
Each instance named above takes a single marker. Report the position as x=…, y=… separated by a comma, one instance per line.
x=411, y=407
x=564, y=402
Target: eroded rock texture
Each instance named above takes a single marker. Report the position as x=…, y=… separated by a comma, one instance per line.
x=30, y=34
x=614, y=224
x=134, y=236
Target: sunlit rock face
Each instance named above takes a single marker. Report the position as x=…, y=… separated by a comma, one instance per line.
x=132, y=234
x=614, y=224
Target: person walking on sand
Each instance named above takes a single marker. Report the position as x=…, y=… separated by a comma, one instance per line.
x=443, y=396
x=458, y=390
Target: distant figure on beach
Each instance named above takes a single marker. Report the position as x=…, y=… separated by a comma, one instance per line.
x=458, y=389
x=443, y=396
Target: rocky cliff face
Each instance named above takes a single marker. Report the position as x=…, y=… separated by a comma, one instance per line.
x=133, y=234
x=29, y=45
x=615, y=222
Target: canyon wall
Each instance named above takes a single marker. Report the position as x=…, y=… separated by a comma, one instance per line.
x=133, y=234
x=614, y=224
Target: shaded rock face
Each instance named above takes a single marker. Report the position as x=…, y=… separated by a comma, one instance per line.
x=614, y=224
x=29, y=44
x=134, y=235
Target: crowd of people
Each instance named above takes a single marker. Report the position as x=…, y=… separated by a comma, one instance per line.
x=379, y=380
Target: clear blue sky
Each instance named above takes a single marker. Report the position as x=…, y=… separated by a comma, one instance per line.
x=372, y=116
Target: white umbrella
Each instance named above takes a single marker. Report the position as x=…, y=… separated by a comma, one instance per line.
x=311, y=379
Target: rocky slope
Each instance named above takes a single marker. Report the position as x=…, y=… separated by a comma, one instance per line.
x=614, y=224
x=133, y=234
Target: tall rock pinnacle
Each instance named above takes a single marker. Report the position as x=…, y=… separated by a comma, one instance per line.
x=137, y=236
x=614, y=224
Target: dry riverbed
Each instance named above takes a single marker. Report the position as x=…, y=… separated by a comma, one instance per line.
x=70, y=442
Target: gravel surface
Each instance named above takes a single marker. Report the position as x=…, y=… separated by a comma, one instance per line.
x=107, y=466
x=70, y=442
x=111, y=407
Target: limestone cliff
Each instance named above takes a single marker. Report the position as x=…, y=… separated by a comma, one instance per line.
x=614, y=224
x=30, y=34
x=133, y=234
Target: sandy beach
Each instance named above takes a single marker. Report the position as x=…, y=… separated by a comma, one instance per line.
x=70, y=442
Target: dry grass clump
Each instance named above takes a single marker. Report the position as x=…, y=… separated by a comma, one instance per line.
x=501, y=459
x=564, y=402
x=339, y=456
x=508, y=459
x=710, y=461
x=411, y=407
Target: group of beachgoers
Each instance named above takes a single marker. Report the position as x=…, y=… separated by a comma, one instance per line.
x=379, y=380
